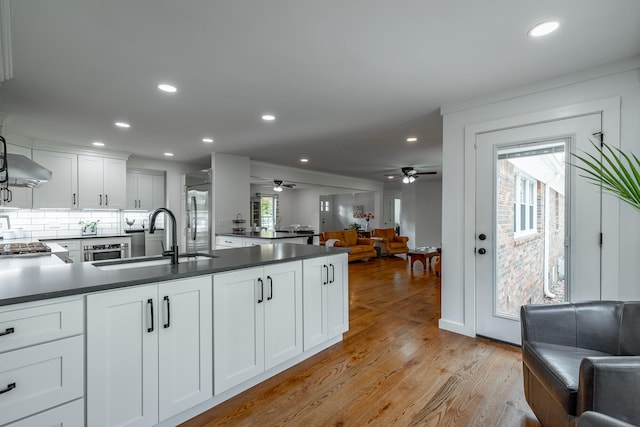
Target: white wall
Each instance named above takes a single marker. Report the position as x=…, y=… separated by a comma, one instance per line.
x=231, y=191
x=618, y=79
x=428, y=213
x=343, y=210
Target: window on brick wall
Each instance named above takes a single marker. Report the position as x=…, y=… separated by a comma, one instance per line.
x=525, y=205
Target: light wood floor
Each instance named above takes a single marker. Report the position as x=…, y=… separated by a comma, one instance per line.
x=394, y=367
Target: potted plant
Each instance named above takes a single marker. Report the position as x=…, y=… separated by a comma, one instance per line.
x=89, y=228
x=615, y=171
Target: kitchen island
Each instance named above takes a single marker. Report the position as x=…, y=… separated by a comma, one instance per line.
x=163, y=343
x=236, y=240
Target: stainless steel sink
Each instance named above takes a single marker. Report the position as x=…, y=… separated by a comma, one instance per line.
x=150, y=261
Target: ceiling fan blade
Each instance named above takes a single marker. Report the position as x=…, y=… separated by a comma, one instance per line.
x=427, y=173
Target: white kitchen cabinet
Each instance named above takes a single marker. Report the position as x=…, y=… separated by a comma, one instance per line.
x=17, y=197
x=326, y=299
x=145, y=191
x=41, y=359
x=149, y=352
x=257, y=321
x=74, y=247
x=68, y=415
x=61, y=192
x=225, y=242
x=102, y=182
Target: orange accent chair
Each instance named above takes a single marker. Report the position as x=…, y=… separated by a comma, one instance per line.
x=392, y=244
x=361, y=248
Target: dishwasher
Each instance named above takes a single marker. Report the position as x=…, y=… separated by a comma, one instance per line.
x=137, y=242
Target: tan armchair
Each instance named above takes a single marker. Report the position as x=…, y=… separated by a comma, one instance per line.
x=392, y=244
x=360, y=248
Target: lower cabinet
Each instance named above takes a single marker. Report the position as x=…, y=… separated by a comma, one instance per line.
x=68, y=415
x=326, y=299
x=148, y=351
x=257, y=321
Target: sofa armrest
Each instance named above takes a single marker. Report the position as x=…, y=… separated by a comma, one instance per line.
x=596, y=419
x=610, y=385
x=340, y=244
x=364, y=241
x=403, y=239
x=549, y=323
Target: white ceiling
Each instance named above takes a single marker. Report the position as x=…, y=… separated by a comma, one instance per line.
x=349, y=81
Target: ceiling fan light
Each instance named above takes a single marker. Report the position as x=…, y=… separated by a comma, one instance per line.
x=411, y=179
x=277, y=189
x=406, y=180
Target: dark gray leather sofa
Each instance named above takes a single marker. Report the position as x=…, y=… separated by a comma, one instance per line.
x=581, y=357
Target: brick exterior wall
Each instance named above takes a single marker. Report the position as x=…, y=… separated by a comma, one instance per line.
x=520, y=267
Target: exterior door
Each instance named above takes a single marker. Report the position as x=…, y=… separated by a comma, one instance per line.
x=537, y=227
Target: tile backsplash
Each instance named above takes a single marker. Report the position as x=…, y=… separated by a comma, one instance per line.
x=52, y=223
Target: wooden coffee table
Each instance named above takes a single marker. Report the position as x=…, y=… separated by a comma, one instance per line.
x=423, y=256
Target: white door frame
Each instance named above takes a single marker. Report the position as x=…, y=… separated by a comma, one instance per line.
x=610, y=109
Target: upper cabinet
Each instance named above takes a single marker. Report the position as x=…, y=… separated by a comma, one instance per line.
x=145, y=191
x=101, y=182
x=17, y=197
x=62, y=191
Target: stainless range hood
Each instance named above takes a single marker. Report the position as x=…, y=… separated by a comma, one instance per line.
x=20, y=171
x=24, y=172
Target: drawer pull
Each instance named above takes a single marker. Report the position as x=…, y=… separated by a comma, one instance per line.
x=7, y=332
x=9, y=388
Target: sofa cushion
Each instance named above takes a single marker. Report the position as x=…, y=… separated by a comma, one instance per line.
x=333, y=235
x=597, y=324
x=629, y=331
x=557, y=367
x=350, y=237
x=386, y=233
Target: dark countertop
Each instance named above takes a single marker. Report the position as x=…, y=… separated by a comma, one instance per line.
x=39, y=283
x=46, y=239
x=269, y=235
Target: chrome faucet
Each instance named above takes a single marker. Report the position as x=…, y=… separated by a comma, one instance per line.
x=174, y=239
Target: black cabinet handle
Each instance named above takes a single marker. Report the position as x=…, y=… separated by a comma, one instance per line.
x=10, y=193
x=166, y=299
x=150, y=304
x=106, y=200
x=333, y=273
x=100, y=199
x=7, y=332
x=261, y=291
x=270, y=288
x=74, y=199
x=327, y=274
x=9, y=388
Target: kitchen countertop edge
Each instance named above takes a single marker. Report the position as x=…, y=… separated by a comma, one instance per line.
x=41, y=283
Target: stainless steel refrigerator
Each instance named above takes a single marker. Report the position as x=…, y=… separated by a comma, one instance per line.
x=198, y=190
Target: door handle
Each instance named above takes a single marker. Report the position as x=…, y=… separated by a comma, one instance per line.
x=150, y=304
x=9, y=388
x=333, y=273
x=270, y=288
x=7, y=332
x=482, y=251
x=74, y=199
x=100, y=199
x=106, y=200
x=168, y=304
x=326, y=275
x=482, y=236
x=261, y=291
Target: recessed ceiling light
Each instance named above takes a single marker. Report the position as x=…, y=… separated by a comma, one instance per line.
x=98, y=143
x=167, y=88
x=168, y=154
x=543, y=29
x=123, y=125
x=304, y=160
x=412, y=139
x=268, y=117
x=390, y=177
x=209, y=140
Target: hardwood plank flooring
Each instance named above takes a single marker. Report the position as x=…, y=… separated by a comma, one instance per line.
x=394, y=367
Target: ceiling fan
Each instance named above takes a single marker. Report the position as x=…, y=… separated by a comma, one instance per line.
x=409, y=174
x=279, y=185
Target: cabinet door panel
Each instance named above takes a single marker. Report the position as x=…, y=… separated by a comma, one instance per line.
x=115, y=183
x=283, y=312
x=132, y=190
x=186, y=368
x=122, y=368
x=90, y=182
x=314, y=301
x=337, y=297
x=238, y=329
x=68, y=415
x=61, y=191
x=145, y=191
x=157, y=199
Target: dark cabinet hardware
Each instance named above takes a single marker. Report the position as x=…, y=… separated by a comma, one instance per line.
x=9, y=388
x=270, y=288
x=482, y=236
x=7, y=332
x=324, y=282
x=333, y=273
x=168, y=304
x=150, y=305
x=261, y=291
x=106, y=200
x=100, y=199
x=74, y=198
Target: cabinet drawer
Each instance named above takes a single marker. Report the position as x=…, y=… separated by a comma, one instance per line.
x=40, y=377
x=70, y=245
x=68, y=415
x=228, y=241
x=29, y=324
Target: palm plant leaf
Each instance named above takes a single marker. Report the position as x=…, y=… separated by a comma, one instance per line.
x=613, y=170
